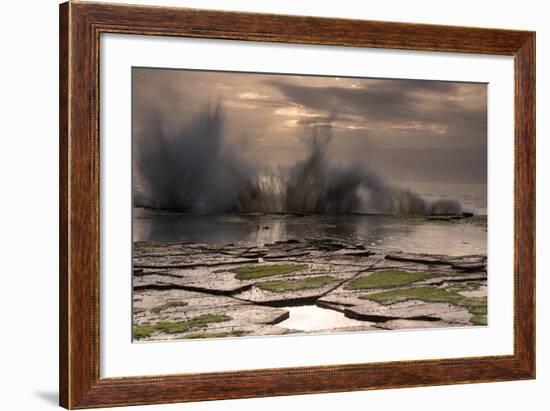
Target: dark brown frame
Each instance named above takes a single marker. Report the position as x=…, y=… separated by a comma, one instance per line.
x=80, y=27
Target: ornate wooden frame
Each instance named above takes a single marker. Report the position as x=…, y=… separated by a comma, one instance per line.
x=80, y=27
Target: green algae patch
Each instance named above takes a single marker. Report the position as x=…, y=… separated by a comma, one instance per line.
x=479, y=319
x=469, y=286
x=169, y=304
x=142, y=331
x=475, y=306
x=478, y=308
x=235, y=333
x=251, y=272
x=389, y=279
x=188, y=325
x=175, y=327
x=279, y=286
x=427, y=294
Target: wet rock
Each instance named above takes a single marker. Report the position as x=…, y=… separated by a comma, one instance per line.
x=253, y=254
x=283, y=299
x=230, y=317
x=455, y=278
x=449, y=217
x=413, y=310
x=480, y=292
x=416, y=258
x=308, y=291
x=219, y=283
x=289, y=241
x=354, y=252
x=149, y=299
x=415, y=324
x=143, y=272
x=327, y=243
x=464, y=263
x=345, y=262
x=469, y=266
x=353, y=300
x=209, y=279
x=187, y=261
x=340, y=299
x=281, y=256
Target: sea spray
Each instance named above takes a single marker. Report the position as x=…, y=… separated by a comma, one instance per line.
x=189, y=168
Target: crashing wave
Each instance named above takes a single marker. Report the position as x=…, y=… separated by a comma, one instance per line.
x=189, y=168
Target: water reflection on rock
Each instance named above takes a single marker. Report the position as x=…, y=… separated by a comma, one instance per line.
x=418, y=234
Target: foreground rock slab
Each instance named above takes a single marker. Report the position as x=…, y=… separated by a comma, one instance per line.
x=191, y=290
x=200, y=315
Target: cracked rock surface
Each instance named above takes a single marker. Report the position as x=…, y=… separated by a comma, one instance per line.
x=190, y=290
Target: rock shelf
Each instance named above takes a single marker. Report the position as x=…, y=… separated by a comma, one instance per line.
x=188, y=290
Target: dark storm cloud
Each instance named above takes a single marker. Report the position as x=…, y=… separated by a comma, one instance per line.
x=409, y=130
x=383, y=99
x=413, y=102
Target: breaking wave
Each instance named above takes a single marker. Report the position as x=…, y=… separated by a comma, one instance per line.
x=189, y=168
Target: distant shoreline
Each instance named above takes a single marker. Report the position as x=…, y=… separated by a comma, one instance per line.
x=161, y=211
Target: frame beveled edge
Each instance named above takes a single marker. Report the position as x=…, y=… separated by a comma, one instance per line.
x=81, y=24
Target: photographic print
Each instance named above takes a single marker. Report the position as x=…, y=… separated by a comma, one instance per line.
x=274, y=204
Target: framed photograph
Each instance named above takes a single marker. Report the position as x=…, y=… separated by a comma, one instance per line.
x=260, y=205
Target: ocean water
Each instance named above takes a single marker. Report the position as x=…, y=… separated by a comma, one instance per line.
x=389, y=233
x=418, y=234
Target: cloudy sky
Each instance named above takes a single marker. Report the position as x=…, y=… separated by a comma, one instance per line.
x=407, y=130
